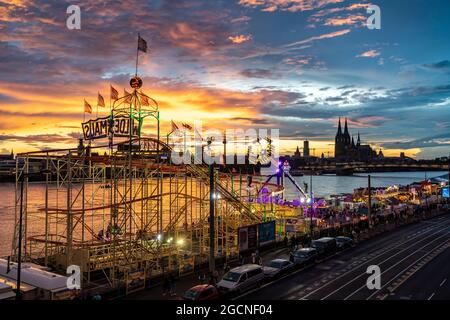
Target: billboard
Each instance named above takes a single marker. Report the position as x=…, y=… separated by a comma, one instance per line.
x=445, y=192
x=247, y=237
x=266, y=233
x=186, y=263
x=135, y=280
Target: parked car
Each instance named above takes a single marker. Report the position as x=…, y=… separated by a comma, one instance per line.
x=277, y=268
x=343, y=242
x=324, y=246
x=304, y=256
x=202, y=292
x=240, y=279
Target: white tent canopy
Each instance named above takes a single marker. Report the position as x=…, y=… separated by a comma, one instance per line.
x=34, y=276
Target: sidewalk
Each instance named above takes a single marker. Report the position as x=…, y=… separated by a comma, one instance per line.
x=188, y=281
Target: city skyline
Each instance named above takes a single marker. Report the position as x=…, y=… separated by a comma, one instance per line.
x=296, y=65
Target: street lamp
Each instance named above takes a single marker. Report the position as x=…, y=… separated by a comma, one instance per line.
x=311, y=206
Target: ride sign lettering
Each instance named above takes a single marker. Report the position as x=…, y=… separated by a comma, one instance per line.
x=102, y=127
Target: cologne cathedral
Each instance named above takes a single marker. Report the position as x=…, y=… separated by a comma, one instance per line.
x=347, y=150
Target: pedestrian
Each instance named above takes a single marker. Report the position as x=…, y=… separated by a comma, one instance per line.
x=254, y=257
x=165, y=285
x=241, y=260
x=291, y=257
x=211, y=278
x=226, y=268
x=293, y=241
x=202, y=277
x=172, y=284
x=260, y=261
x=215, y=276
x=285, y=240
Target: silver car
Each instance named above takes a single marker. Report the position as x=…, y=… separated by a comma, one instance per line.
x=304, y=256
x=277, y=267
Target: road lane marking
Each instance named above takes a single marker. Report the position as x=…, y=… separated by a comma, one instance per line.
x=379, y=263
x=432, y=295
x=444, y=244
x=382, y=252
x=377, y=253
x=442, y=283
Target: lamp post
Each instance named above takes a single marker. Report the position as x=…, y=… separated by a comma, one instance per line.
x=212, y=197
x=311, y=206
x=369, y=201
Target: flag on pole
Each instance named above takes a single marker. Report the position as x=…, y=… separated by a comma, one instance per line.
x=144, y=100
x=87, y=107
x=142, y=44
x=174, y=126
x=100, y=101
x=187, y=126
x=114, y=94
x=127, y=96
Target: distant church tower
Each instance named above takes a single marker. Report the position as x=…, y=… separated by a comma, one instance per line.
x=341, y=141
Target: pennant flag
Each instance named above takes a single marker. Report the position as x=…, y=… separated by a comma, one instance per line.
x=142, y=44
x=144, y=100
x=100, y=101
x=87, y=107
x=174, y=126
x=186, y=126
x=127, y=96
x=114, y=94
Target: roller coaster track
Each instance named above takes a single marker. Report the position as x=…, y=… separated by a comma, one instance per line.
x=201, y=171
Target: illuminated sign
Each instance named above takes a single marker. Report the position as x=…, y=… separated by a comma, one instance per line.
x=102, y=127
x=445, y=192
x=136, y=82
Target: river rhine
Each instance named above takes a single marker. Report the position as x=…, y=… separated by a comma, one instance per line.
x=322, y=187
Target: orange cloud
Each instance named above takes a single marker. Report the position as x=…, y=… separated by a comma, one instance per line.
x=240, y=38
x=347, y=21
x=287, y=5
x=35, y=114
x=369, y=54
x=323, y=36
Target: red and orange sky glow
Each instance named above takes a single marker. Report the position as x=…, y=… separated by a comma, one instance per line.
x=293, y=65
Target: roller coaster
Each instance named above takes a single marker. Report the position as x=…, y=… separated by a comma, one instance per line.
x=120, y=207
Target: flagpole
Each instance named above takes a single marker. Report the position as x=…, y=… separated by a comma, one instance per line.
x=98, y=93
x=137, y=55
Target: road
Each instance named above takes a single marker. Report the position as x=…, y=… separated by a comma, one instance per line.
x=432, y=282
x=408, y=258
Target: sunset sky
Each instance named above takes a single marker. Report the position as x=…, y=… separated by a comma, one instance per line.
x=296, y=65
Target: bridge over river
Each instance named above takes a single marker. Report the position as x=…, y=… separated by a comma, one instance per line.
x=348, y=168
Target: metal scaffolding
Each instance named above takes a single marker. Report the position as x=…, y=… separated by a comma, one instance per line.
x=117, y=208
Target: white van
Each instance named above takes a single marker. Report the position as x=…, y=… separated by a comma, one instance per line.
x=242, y=278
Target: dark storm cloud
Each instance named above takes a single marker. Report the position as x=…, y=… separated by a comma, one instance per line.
x=7, y=99
x=37, y=139
x=46, y=50
x=443, y=66
x=58, y=115
x=252, y=120
x=441, y=140
x=260, y=73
